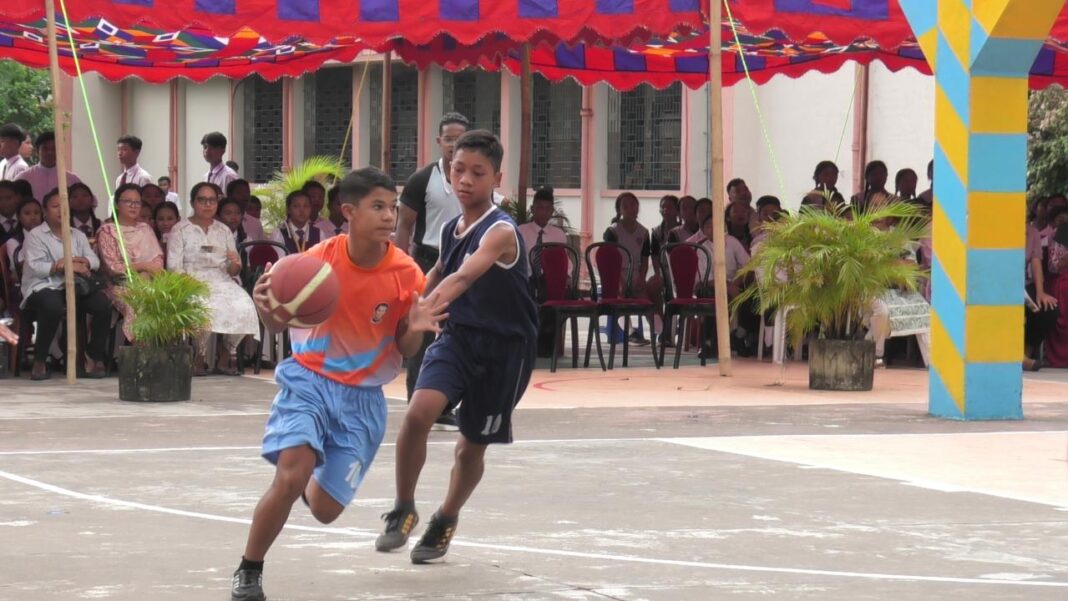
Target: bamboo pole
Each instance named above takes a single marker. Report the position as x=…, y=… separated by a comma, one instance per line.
x=387, y=108
x=61, y=174
x=526, y=99
x=719, y=226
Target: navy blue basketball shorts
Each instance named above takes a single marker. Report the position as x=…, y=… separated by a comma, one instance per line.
x=488, y=372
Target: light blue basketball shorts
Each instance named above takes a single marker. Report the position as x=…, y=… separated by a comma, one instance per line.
x=343, y=424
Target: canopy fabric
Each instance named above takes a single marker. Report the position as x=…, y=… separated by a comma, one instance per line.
x=377, y=22
x=686, y=60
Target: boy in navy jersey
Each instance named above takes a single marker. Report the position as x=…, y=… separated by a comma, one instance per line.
x=483, y=357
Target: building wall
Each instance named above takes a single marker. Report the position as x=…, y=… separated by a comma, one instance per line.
x=105, y=100
x=805, y=120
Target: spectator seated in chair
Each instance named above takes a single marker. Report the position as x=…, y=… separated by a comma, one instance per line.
x=44, y=298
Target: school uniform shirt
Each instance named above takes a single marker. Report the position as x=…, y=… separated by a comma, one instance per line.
x=329, y=230
x=356, y=345
x=12, y=168
x=87, y=227
x=636, y=242
x=296, y=239
x=533, y=234
x=735, y=256
x=253, y=228
x=7, y=227
x=134, y=175
x=325, y=226
x=221, y=176
x=173, y=197
x=45, y=179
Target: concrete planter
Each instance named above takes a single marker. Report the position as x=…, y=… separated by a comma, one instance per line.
x=153, y=374
x=841, y=364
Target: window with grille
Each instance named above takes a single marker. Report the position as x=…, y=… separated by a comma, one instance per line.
x=475, y=94
x=645, y=138
x=263, y=128
x=404, y=120
x=556, y=134
x=327, y=111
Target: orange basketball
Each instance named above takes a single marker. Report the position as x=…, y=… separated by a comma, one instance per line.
x=304, y=290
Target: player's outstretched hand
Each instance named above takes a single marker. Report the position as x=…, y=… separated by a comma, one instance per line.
x=427, y=314
x=259, y=291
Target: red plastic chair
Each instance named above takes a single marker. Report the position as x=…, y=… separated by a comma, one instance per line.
x=611, y=271
x=684, y=298
x=554, y=271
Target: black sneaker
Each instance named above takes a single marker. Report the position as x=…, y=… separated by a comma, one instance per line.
x=638, y=339
x=436, y=539
x=247, y=586
x=446, y=423
x=399, y=525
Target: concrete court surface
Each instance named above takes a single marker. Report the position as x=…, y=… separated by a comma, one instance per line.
x=627, y=485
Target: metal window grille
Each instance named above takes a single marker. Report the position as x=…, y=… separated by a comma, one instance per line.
x=556, y=134
x=263, y=128
x=404, y=130
x=327, y=111
x=645, y=138
x=475, y=94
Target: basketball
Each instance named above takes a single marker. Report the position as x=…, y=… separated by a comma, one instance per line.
x=303, y=292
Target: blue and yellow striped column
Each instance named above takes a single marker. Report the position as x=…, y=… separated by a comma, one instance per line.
x=981, y=52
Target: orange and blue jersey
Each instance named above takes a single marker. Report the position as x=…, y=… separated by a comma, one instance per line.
x=356, y=346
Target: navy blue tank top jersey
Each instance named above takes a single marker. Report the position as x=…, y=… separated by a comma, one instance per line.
x=499, y=301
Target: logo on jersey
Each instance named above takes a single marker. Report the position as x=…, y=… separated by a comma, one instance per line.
x=379, y=313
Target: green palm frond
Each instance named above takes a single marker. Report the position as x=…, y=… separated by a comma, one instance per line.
x=170, y=307
x=829, y=269
x=272, y=195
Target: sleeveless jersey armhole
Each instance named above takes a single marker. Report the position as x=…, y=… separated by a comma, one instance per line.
x=515, y=236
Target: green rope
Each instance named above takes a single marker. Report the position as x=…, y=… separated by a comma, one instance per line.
x=96, y=140
x=845, y=122
x=756, y=101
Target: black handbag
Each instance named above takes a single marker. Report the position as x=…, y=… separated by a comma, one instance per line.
x=87, y=285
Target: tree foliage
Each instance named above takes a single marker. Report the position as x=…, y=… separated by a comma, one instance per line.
x=1047, y=148
x=25, y=97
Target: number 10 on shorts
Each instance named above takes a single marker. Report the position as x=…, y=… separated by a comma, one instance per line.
x=493, y=423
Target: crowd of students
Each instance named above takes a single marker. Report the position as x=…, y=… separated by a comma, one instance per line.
x=159, y=231
x=200, y=237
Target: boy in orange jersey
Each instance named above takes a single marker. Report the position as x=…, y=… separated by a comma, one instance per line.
x=330, y=413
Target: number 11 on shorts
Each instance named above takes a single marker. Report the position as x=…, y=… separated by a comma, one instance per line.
x=493, y=423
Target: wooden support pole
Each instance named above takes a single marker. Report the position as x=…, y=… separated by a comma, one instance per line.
x=719, y=226
x=61, y=174
x=387, y=107
x=526, y=99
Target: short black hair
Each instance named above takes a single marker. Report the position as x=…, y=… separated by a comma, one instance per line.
x=132, y=141
x=197, y=187
x=254, y=200
x=1055, y=213
x=151, y=185
x=233, y=165
x=820, y=166
x=332, y=194
x=450, y=118
x=13, y=131
x=295, y=194
x=164, y=206
x=44, y=138
x=53, y=193
x=9, y=185
x=484, y=143
x=763, y=201
x=544, y=193
x=123, y=188
x=670, y=198
x=229, y=201
x=313, y=184
x=702, y=201
x=359, y=184
x=230, y=187
x=734, y=182
x=214, y=140
x=164, y=178
x=23, y=188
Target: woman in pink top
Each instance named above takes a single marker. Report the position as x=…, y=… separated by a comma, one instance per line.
x=142, y=248
x=1057, y=338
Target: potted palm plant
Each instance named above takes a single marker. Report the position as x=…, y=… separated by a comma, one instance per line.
x=170, y=308
x=825, y=268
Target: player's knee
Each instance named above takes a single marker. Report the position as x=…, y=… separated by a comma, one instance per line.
x=420, y=418
x=324, y=514
x=470, y=453
x=291, y=482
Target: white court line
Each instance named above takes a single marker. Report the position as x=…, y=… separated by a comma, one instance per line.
x=155, y=416
x=248, y=448
x=542, y=551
